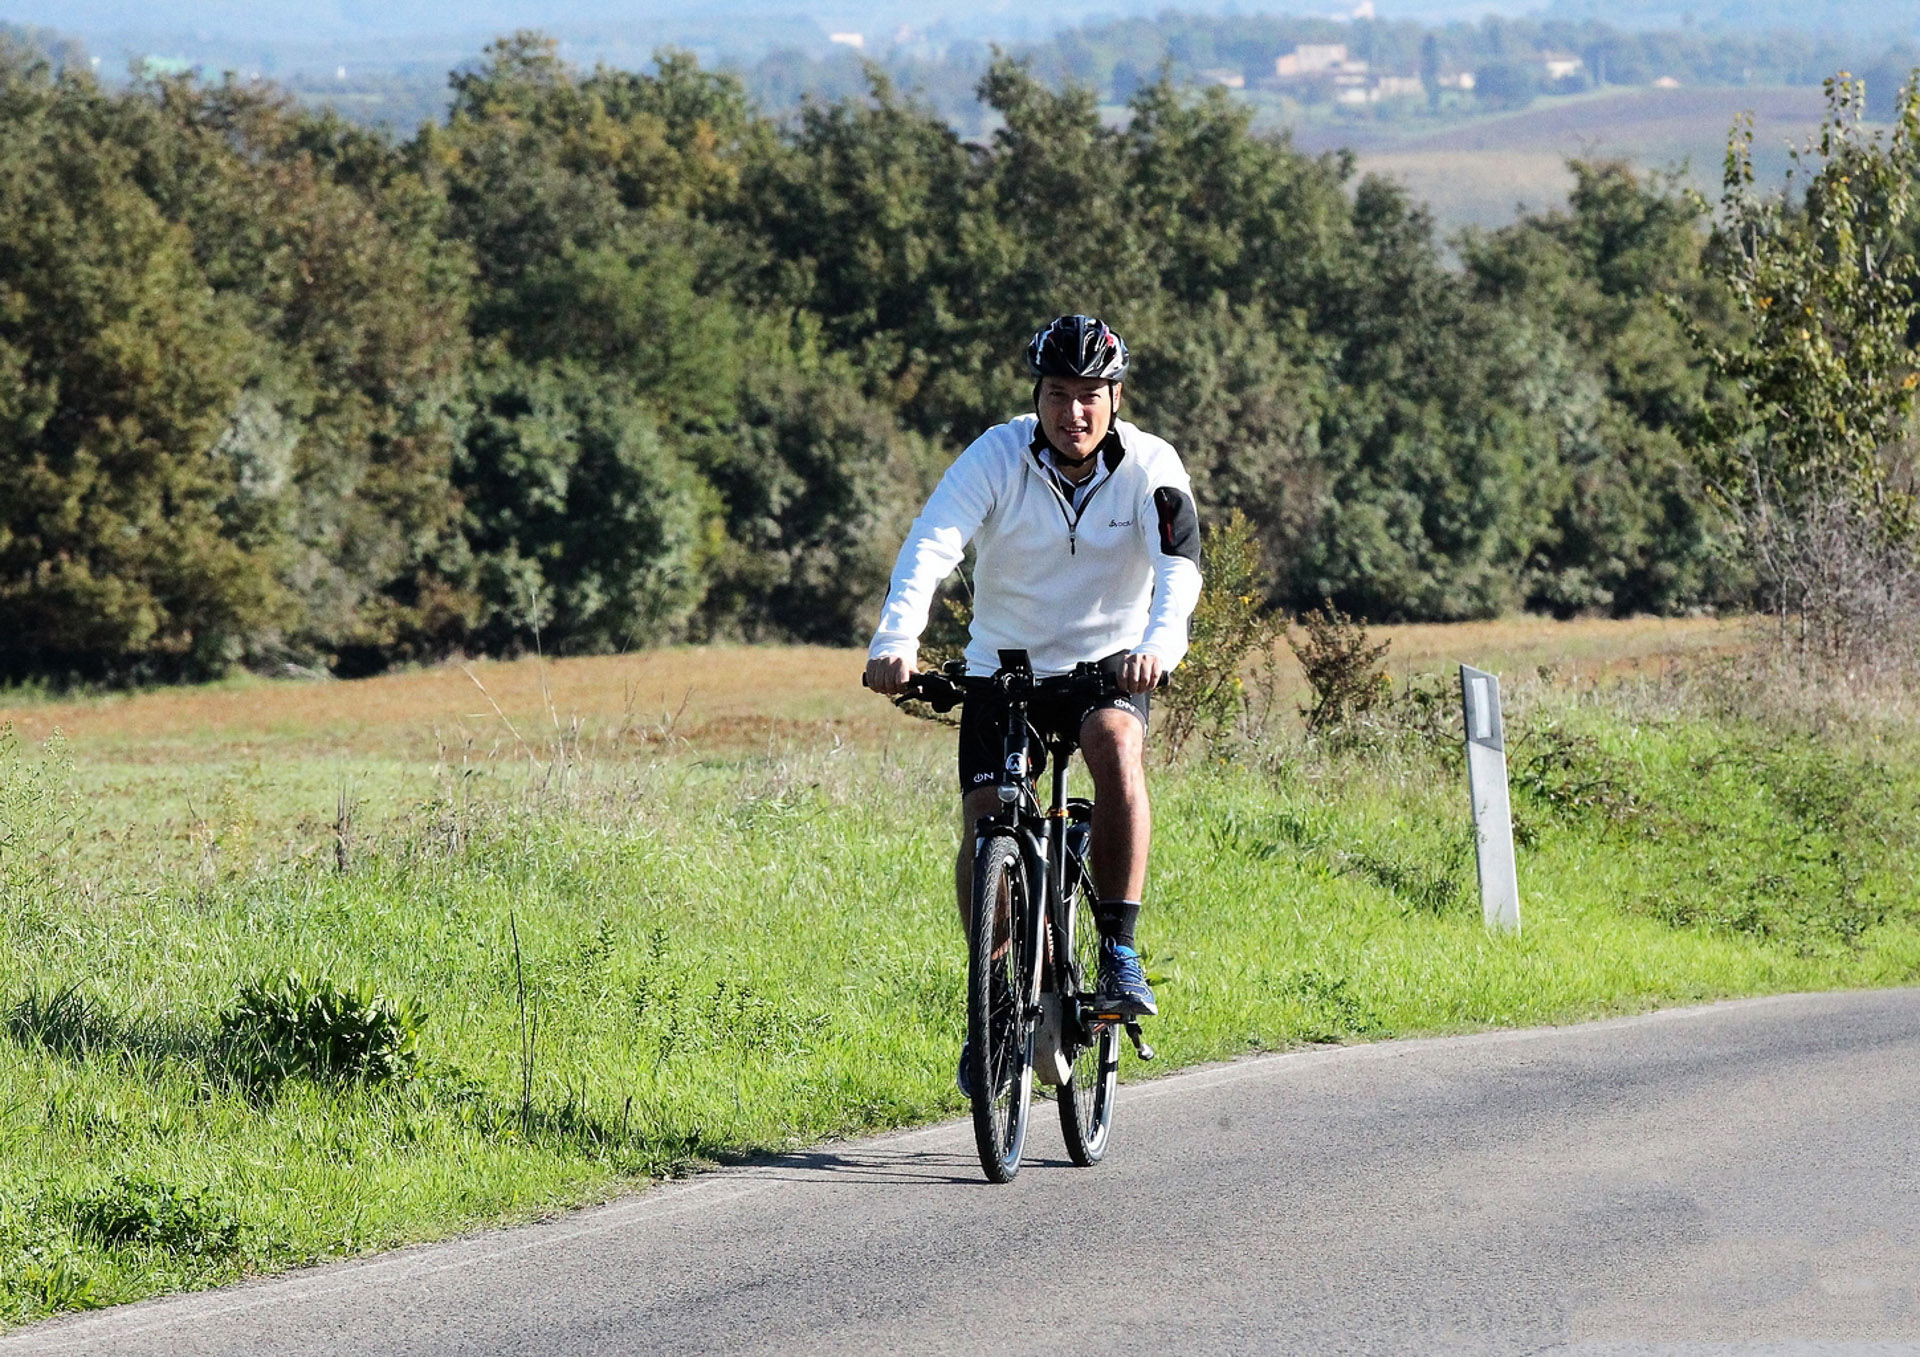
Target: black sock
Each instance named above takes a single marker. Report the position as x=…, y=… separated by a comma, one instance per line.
x=1115, y=920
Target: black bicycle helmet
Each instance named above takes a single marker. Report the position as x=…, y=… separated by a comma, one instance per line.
x=1078, y=346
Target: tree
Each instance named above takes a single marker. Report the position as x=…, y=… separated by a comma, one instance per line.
x=1811, y=462
x=1508, y=83
x=136, y=536
x=1629, y=533
x=1823, y=289
x=584, y=524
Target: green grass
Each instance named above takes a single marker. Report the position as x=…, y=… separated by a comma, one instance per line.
x=728, y=954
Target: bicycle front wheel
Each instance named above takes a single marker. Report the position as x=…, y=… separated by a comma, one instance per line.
x=999, y=1028
x=1086, y=1099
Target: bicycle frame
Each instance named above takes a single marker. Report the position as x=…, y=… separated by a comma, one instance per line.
x=1042, y=836
x=1030, y=865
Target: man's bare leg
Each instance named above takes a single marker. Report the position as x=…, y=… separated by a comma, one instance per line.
x=1113, y=743
x=976, y=803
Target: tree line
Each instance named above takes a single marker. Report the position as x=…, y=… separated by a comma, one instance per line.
x=612, y=358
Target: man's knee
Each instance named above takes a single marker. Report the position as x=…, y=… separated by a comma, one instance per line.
x=1113, y=744
x=976, y=803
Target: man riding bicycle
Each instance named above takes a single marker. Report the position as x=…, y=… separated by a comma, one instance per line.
x=1087, y=550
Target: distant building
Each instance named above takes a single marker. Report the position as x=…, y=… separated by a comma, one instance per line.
x=1220, y=75
x=1561, y=65
x=1311, y=58
x=1457, y=80
x=1386, y=87
x=853, y=40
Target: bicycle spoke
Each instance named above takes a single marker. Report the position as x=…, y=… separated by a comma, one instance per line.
x=995, y=1027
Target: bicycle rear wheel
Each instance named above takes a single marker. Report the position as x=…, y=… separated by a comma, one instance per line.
x=1086, y=1100
x=999, y=1028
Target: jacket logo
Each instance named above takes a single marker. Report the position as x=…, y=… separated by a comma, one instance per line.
x=1119, y=522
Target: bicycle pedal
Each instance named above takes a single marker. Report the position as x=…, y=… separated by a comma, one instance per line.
x=1140, y=1047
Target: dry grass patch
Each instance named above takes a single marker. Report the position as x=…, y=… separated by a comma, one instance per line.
x=692, y=698
x=721, y=694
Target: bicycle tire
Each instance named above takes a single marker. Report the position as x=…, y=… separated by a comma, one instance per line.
x=1086, y=1100
x=999, y=1025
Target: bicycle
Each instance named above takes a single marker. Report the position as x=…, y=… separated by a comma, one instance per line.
x=1032, y=948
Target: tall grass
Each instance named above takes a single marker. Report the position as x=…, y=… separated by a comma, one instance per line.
x=673, y=957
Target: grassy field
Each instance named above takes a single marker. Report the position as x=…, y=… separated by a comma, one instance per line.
x=603, y=920
x=1480, y=170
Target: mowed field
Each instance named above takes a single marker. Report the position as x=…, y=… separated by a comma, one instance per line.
x=685, y=697
x=1481, y=172
x=603, y=920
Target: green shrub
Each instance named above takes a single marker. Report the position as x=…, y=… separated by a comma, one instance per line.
x=1232, y=625
x=291, y=1026
x=138, y=1210
x=1570, y=775
x=1343, y=667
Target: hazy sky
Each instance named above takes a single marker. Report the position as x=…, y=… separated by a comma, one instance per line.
x=288, y=35
x=269, y=20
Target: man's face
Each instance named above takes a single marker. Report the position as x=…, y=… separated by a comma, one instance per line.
x=1076, y=412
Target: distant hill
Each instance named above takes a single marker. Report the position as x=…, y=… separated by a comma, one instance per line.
x=1859, y=18
x=1476, y=173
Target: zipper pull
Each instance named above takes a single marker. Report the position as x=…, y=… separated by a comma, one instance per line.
x=1071, y=539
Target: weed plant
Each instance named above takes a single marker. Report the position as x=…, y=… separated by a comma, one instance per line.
x=636, y=963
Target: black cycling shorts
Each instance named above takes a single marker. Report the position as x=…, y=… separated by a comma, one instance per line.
x=983, y=729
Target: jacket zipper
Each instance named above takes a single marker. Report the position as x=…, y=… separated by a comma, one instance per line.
x=1066, y=507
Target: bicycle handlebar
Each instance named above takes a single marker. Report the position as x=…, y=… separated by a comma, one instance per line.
x=943, y=691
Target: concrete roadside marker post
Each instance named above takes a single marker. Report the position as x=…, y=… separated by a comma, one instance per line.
x=1487, y=786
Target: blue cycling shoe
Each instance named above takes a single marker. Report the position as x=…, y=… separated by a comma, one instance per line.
x=1123, y=989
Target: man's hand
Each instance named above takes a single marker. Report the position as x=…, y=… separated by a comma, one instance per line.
x=1140, y=672
x=888, y=674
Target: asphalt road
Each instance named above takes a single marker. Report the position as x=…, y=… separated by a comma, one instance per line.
x=1740, y=1178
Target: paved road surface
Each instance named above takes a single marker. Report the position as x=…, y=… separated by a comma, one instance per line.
x=1742, y=1178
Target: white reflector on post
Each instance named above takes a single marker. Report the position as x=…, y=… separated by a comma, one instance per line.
x=1487, y=786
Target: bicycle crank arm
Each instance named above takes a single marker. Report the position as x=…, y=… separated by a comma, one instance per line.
x=1140, y=1047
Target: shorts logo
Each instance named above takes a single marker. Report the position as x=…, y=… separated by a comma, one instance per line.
x=1017, y=763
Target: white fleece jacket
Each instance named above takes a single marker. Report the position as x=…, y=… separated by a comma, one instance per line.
x=1123, y=574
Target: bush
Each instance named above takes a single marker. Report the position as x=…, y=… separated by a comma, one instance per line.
x=1231, y=625
x=138, y=1210
x=291, y=1026
x=1571, y=775
x=1342, y=667
x=1507, y=84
